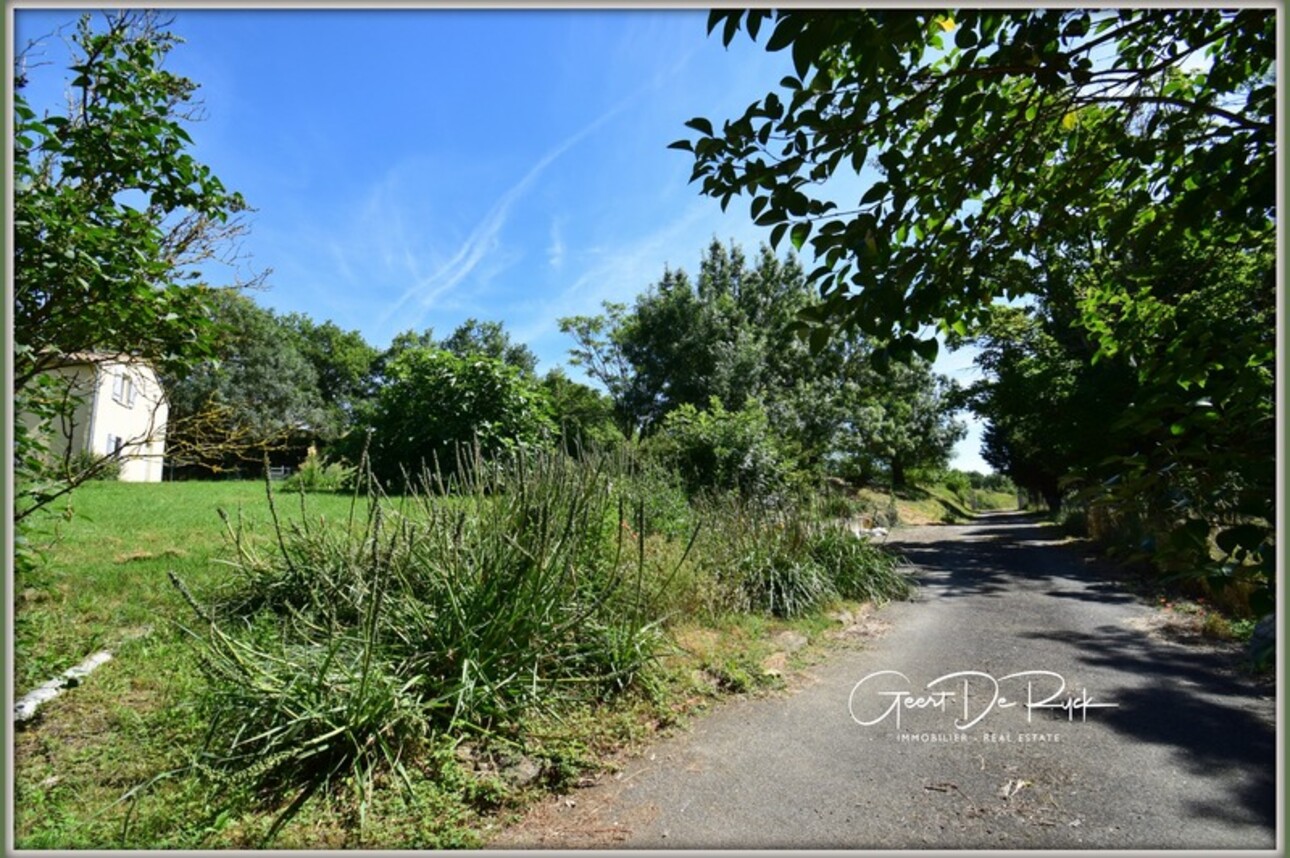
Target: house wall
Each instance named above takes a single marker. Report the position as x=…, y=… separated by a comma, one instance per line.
x=122, y=406
x=131, y=414
x=76, y=382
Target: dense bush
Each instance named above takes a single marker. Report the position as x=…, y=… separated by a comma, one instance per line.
x=722, y=450
x=342, y=650
x=98, y=466
x=532, y=581
x=434, y=401
x=788, y=563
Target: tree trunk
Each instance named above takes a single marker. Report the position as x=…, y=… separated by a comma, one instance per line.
x=897, y=473
x=1053, y=497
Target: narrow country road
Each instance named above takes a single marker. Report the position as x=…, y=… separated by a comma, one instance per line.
x=1144, y=742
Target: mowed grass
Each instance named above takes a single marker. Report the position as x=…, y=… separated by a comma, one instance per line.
x=104, y=586
x=108, y=548
x=936, y=504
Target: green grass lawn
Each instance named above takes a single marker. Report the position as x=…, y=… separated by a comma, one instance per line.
x=109, y=549
x=936, y=504
x=104, y=585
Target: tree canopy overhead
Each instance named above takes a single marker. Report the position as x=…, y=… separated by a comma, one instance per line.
x=991, y=134
x=112, y=214
x=1114, y=166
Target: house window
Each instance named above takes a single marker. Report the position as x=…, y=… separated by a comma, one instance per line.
x=123, y=390
x=114, y=444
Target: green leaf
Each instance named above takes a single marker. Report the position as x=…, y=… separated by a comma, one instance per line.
x=786, y=32
x=801, y=230
x=927, y=349
x=703, y=126
x=876, y=192
x=732, y=27
x=776, y=233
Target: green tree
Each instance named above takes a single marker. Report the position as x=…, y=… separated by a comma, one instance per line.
x=723, y=334
x=471, y=337
x=253, y=397
x=343, y=363
x=599, y=351
x=904, y=420
x=1045, y=406
x=1156, y=405
x=490, y=339
x=1130, y=153
x=584, y=415
x=432, y=401
x=986, y=130
x=727, y=336
x=715, y=449
x=1195, y=452
x=113, y=221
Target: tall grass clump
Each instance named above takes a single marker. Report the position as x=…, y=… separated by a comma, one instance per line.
x=858, y=569
x=317, y=474
x=788, y=562
x=517, y=583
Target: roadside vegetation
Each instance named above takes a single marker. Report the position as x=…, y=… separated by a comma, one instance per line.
x=475, y=580
x=349, y=669
x=1082, y=195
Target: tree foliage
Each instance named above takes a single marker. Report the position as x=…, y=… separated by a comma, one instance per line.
x=1115, y=167
x=111, y=213
x=343, y=365
x=902, y=419
x=716, y=449
x=987, y=129
x=584, y=416
x=115, y=223
x=725, y=339
x=258, y=390
x=489, y=339
x=432, y=402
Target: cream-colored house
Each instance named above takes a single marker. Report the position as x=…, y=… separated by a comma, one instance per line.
x=120, y=410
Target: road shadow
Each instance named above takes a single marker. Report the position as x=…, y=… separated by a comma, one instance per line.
x=1191, y=701
x=990, y=555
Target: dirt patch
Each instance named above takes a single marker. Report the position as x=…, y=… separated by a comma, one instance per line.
x=863, y=624
x=135, y=556
x=697, y=641
x=913, y=516
x=589, y=818
x=1182, y=630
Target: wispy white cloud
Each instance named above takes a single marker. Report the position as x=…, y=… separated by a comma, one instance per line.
x=484, y=239
x=556, y=250
x=618, y=272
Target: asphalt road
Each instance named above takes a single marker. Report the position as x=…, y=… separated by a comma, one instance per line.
x=1134, y=740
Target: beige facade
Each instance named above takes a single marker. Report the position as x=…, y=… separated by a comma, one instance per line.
x=121, y=409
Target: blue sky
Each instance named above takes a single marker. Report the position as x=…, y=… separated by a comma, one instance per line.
x=414, y=168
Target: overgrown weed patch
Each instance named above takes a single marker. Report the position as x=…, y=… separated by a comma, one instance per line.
x=360, y=610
